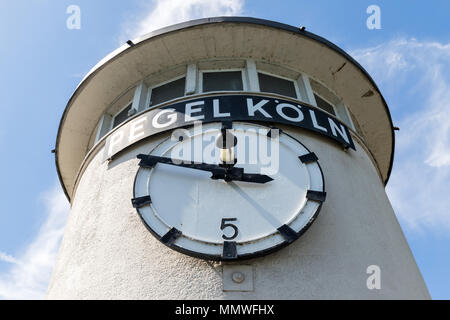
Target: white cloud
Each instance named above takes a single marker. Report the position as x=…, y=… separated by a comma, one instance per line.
x=415, y=77
x=7, y=258
x=30, y=272
x=162, y=13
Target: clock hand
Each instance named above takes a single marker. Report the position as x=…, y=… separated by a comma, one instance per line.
x=237, y=174
x=150, y=161
x=257, y=178
x=218, y=172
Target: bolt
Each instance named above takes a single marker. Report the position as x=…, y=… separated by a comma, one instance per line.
x=238, y=277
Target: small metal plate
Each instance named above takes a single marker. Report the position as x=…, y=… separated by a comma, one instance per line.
x=170, y=236
x=230, y=285
x=309, y=157
x=229, y=250
x=141, y=201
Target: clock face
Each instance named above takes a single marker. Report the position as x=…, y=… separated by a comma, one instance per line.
x=261, y=202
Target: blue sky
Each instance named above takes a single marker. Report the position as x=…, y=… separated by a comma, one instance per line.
x=41, y=63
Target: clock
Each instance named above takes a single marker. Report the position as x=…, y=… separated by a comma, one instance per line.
x=226, y=191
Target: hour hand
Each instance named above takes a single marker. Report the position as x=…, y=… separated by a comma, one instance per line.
x=237, y=174
x=149, y=161
x=218, y=172
x=256, y=178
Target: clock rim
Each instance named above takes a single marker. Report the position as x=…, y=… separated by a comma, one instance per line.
x=246, y=256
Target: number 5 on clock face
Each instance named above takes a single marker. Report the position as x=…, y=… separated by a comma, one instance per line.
x=239, y=214
x=224, y=224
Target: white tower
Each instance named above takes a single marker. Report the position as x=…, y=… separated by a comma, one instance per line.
x=144, y=225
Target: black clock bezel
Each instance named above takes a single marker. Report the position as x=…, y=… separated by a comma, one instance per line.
x=246, y=256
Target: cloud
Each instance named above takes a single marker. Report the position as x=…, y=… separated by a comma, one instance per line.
x=7, y=258
x=162, y=13
x=30, y=271
x=415, y=78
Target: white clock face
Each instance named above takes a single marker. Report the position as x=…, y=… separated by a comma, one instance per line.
x=222, y=220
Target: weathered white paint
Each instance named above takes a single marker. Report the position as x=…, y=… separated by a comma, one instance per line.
x=108, y=253
x=305, y=89
x=252, y=75
x=104, y=126
x=342, y=113
x=140, y=98
x=191, y=79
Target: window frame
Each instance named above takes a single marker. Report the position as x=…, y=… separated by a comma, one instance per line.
x=246, y=85
x=349, y=117
x=150, y=91
x=297, y=91
x=243, y=76
x=130, y=103
x=336, y=114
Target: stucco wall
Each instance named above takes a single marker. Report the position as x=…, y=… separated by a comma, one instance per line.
x=108, y=253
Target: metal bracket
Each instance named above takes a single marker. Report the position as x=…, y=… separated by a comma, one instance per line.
x=309, y=157
x=141, y=201
x=229, y=250
x=316, y=195
x=287, y=233
x=170, y=236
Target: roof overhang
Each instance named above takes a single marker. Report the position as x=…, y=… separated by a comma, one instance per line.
x=215, y=38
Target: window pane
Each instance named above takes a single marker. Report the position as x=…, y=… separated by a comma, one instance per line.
x=168, y=91
x=322, y=104
x=276, y=85
x=121, y=116
x=222, y=81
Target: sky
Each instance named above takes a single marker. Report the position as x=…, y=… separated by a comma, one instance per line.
x=42, y=61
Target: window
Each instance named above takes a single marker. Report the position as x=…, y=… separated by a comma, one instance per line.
x=168, y=91
x=121, y=116
x=276, y=85
x=222, y=81
x=324, y=105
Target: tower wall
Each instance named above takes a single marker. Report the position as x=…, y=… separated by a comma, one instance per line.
x=107, y=252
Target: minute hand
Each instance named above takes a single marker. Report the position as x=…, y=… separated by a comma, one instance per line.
x=237, y=174
x=217, y=171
